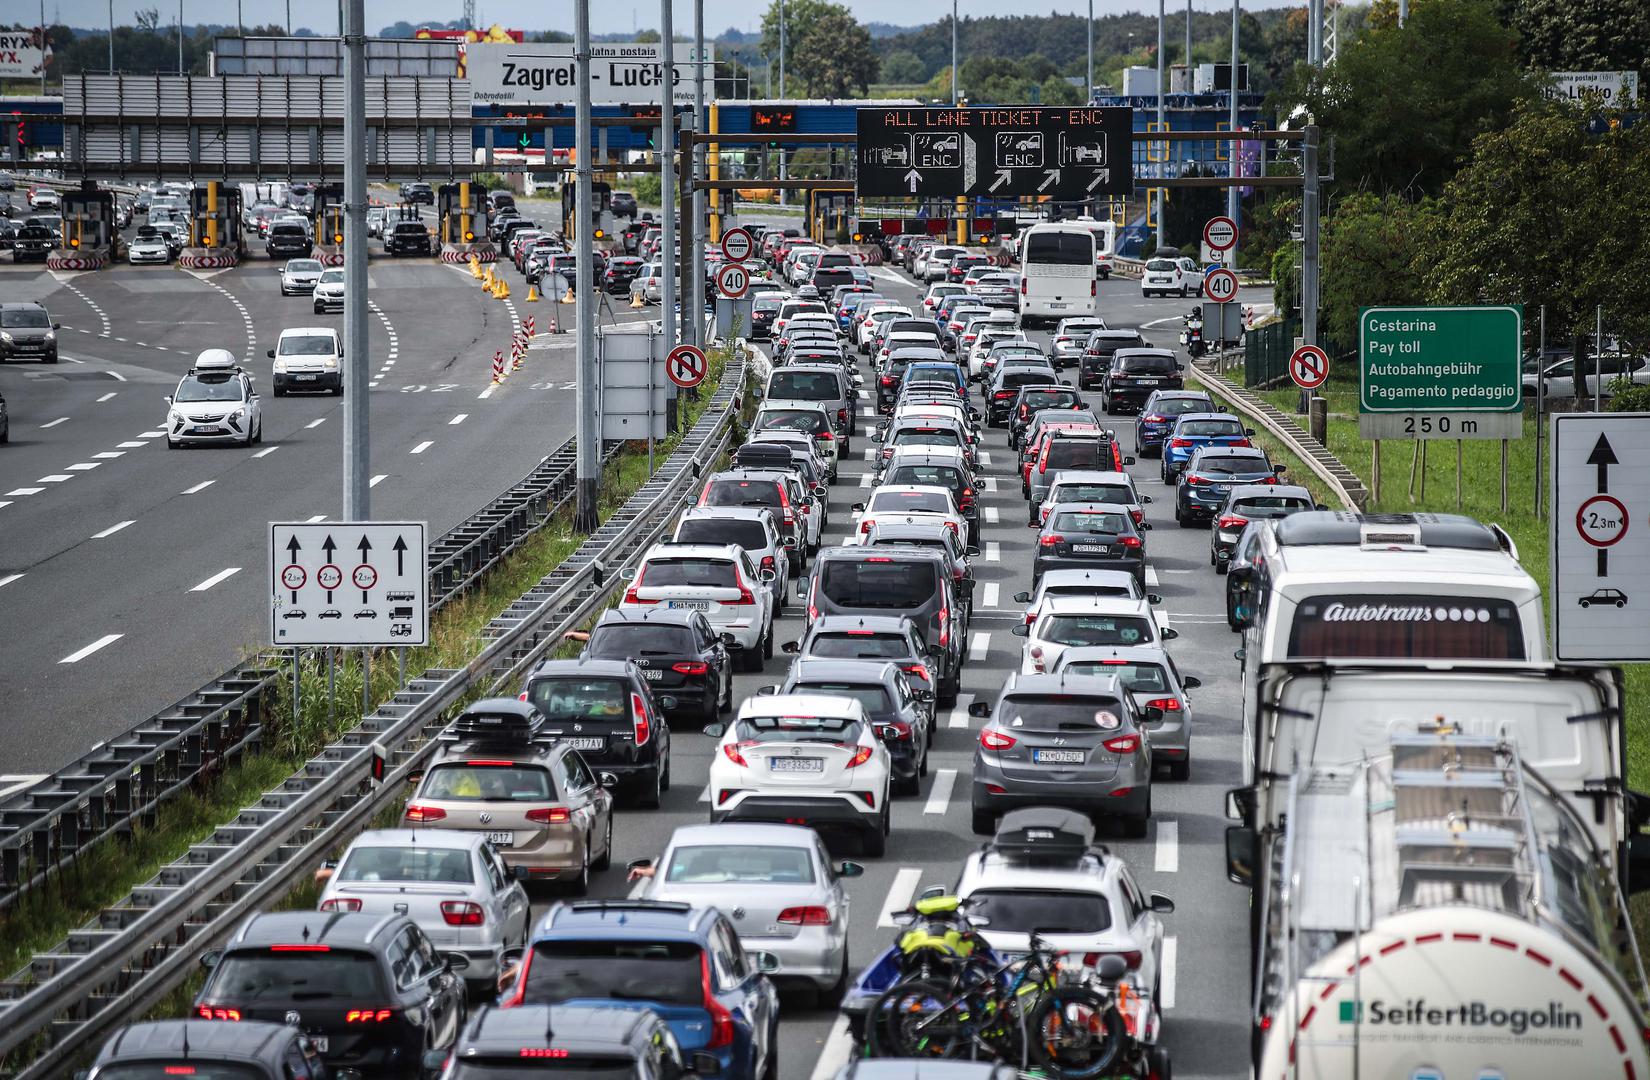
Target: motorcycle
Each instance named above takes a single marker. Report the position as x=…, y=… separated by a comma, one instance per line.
x=1192, y=337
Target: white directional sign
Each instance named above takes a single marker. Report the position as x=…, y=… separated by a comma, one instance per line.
x=1599, y=591
x=543, y=73
x=348, y=583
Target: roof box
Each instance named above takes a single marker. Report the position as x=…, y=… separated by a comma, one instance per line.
x=1043, y=834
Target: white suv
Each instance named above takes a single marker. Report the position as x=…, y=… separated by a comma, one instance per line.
x=214, y=403
x=1163, y=276
x=717, y=579
x=308, y=358
x=1070, y=621
x=809, y=757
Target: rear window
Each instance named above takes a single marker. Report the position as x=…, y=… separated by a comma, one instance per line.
x=1048, y=399
x=1212, y=463
x=747, y=534
x=864, y=645
x=757, y=864
x=872, y=697
x=1067, y=453
x=1140, y=678
x=911, y=500
x=407, y=862
x=621, y=641
x=196, y=1067
x=1209, y=428
x=1177, y=406
x=1091, y=493
x=1059, y=712
x=1392, y=625
x=701, y=573
x=806, y=420
x=1096, y=630
x=882, y=583
x=1060, y=248
x=1090, y=523
x=831, y=730
x=463, y=781
x=1161, y=266
x=828, y=278
x=1148, y=365
x=1105, y=346
x=927, y=476
x=341, y=974
x=926, y=436
x=583, y=1066
x=668, y=972
x=1013, y=380
x=741, y=493
x=1020, y=911
x=1263, y=506
x=805, y=385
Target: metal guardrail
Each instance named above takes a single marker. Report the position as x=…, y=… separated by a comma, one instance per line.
x=122, y=782
x=127, y=959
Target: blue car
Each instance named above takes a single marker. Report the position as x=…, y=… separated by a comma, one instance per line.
x=923, y=372
x=1158, y=414
x=1195, y=430
x=683, y=962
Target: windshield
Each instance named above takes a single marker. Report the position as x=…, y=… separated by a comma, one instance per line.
x=884, y=583
x=1163, y=266
x=1066, y=453
x=302, y=266
x=25, y=317
x=1177, y=406
x=208, y=388
x=1139, y=677
x=620, y=641
x=253, y=975
x=1021, y=911
x=1209, y=428
x=747, y=534
x=467, y=781
x=873, y=697
x=1060, y=248
x=407, y=862
x=760, y=864
x=582, y=1066
x=1393, y=625
x=896, y=501
x=1148, y=365
x=807, y=420
x=1091, y=522
x=332, y=277
x=742, y=493
x=1059, y=712
x=308, y=345
x=805, y=385
x=629, y=969
x=860, y=645
x=1095, y=630
x=703, y=573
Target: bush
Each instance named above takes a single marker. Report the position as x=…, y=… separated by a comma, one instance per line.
x=1632, y=399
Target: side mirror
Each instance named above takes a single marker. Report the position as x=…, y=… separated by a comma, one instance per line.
x=704, y=1064
x=1249, y=431
x=511, y=957
x=972, y=552
x=715, y=731
x=1241, y=849
x=1065, y=382
x=979, y=709
x=1128, y=461
x=767, y=691
x=414, y=779
x=1320, y=506
x=790, y=647
x=1021, y=630
x=1144, y=526
x=455, y=961
x=767, y=575
x=727, y=639
x=801, y=588
x=850, y=869
x=611, y=780
x=1162, y=904
x=1191, y=682
x=270, y=353
x=766, y=962
x=923, y=695
x=1240, y=654
x=819, y=490
x=1145, y=499
x=210, y=958
x=931, y=892
x=1022, y=598
x=167, y=398
x=1280, y=469
x=857, y=508
x=1154, y=598
x=1170, y=634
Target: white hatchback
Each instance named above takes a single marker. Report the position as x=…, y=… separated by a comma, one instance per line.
x=1068, y=621
x=717, y=579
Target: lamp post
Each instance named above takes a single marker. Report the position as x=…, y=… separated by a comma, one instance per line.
x=953, y=53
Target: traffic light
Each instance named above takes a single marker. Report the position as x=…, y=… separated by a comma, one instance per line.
x=22, y=137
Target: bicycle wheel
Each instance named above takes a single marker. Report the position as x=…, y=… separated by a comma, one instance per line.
x=916, y=1020
x=1076, y=1033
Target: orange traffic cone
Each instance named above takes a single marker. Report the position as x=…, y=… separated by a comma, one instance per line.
x=503, y=291
x=636, y=300
x=569, y=298
x=532, y=294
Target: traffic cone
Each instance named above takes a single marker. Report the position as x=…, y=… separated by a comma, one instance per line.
x=487, y=279
x=636, y=300
x=503, y=292
x=475, y=267
x=569, y=298
x=532, y=294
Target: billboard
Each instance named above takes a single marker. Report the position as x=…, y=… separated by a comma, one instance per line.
x=1616, y=89
x=466, y=38
x=22, y=55
x=621, y=73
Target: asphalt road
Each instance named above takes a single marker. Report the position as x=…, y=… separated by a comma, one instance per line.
x=1205, y=985
x=130, y=574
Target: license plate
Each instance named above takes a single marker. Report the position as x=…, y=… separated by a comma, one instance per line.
x=203, y=431
x=588, y=744
x=1059, y=307
x=502, y=839
x=319, y=1042
x=1146, y=382
x=653, y=674
x=304, y=378
x=796, y=764
x=1091, y=549
x=1058, y=757
x=692, y=605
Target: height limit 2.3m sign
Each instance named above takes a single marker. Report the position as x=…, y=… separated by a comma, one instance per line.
x=1068, y=154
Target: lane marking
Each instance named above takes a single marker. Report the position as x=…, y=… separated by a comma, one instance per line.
x=989, y=599
x=940, y=794
x=487, y=393
x=1167, y=858
x=459, y=419
x=991, y=515
x=958, y=716
x=4, y=504
x=375, y=480
x=989, y=484
x=421, y=447
x=215, y=578
x=1151, y=576
x=106, y=397
x=1170, y=947
x=84, y=466
x=54, y=478
x=317, y=422
x=81, y=654
x=54, y=423
x=985, y=457
x=266, y=451
x=202, y=486
x=25, y=491
x=317, y=517
x=109, y=455
x=834, y=1054
x=704, y=795
x=979, y=646
x=865, y=480
x=132, y=444
x=899, y=893
x=993, y=551
x=151, y=434
x=111, y=530
x=9, y=578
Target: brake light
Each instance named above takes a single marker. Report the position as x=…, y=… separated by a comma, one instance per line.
x=415, y=812
x=300, y=948
x=630, y=594
x=378, y=1016
x=865, y=525
x=826, y=435
x=1154, y=419
x=1138, y=516
x=690, y=667
x=461, y=913
x=769, y=564
x=901, y=730
x=1129, y=541
x=813, y=594
x=886, y=380
x=995, y=740
x=1269, y=480
x=806, y=916
x=1094, y=289
x=734, y=754
x=1022, y=286
x=945, y=625
x=842, y=416
x=1167, y=704
x=547, y=815
x=542, y=1052
x=1050, y=540
x=1131, y=958
x=919, y=670
x=1025, y=410
x=999, y=395
x=342, y=903
x=1123, y=744
x=1231, y=521
x=721, y=1021
x=1193, y=479
x=1180, y=444
x=207, y=1012
x=745, y=594
x=639, y=721
x=1238, y=442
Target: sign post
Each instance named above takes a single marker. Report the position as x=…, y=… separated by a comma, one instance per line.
x=1599, y=582
x=1441, y=373
x=348, y=583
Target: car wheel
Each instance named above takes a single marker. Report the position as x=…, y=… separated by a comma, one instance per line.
x=580, y=886
x=983, y=822
x=1164, y=475
x=770, y=1071
x=711, y=705
x=1181, y=770
x=726, y=704
x=1135, y=826
x=831, y=996
x=947, y=696
x=1621, y=603
x=607, y=849
x=1586, y=603
x=664, y=780
x=922, y=766
x=767, y=642
x=648, y=797
x=907, y=785
x=1157, y=1063
x=875, y=842
x=751, y=659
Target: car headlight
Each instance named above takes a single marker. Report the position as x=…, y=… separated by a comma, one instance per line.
x=5, y=337
x=238, y=415
x=173, y=417
x=51, y=335
x=330, y=362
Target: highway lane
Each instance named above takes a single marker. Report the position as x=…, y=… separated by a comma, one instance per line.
x=1205, y=986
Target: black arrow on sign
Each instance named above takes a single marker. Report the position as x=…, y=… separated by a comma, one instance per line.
x=1603, y=456
x=292, y=549
x=329, y=547
x=363, y=547
x=400, y=550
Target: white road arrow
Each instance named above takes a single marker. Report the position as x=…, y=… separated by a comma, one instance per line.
x=911, y=178
x=1003, y=177
x=1052, y=176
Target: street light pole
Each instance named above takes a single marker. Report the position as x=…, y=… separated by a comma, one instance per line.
x=180, y=37
x=1161, y=240
x=111, y=37
x=953, y=53
x=588, y=443
x=1088, y=88
x=784, y=154
x=1232, y=157
x=667, y=181
x=696, y=225
x=357, y=493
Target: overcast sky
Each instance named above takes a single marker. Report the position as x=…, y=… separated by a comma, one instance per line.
x=607, y=16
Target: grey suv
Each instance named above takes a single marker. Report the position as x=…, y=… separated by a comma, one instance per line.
x=27, y=333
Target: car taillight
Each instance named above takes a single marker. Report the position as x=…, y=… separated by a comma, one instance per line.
x=1167, y=704
x=1123, y=744
x=806, y=916
x=1239, y=442
x=899, y=728
x=1131, y=958
x=342, y=903
x=919, y=670
x=861, y=756
x=416, y=812
x=1138, y=516
x=208, y=1012
x=1193, y=479
x=1094, y=289
x=1022, y=286
x=378, y=1016
x=549, y=815
x=1233, y=522
x=995, y=740
x=734, y=752
x=1180, y=444
x=690, y=667
x=865, y=525
x=945, y=625
x=886, y=380
x=1050, y=540
x=461, y=913
x=1154, y=419
x=721, y=1021
x=842, y=416
x=1025, y=411
x=1269, y=480
x=640, y=723
x=1129, y=541
x=1001, y=394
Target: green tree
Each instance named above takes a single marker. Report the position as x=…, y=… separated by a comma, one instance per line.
x=800, y=16
x=1404, y=104
x=1373, y=252
x=903, y=67
x=834, y=58
x=1582, y=35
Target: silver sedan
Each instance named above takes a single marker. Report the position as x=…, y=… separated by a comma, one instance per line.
x=777, y=885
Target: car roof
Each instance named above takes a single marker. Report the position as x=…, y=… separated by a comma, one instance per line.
x=1062, y=683
x=1217, y=450
x=1200, y=395
x=670, y=550
x=842, y=670
x=1052, y=578
x=314, y=928
x=899, y=530
x=579, y=1029
x=1093, y=476
x=1077, y=604
x=434, y=838
x=582, y=665
x=1292, y=491
x=814, y=705
x=249, y=1040
x=746, y=513
x=654, y=615
x=295, y=330
x=1207, y=416
x=598, y=919
x=928, y=455
x=877, y=624
x=1124, y=354
x=744, y=832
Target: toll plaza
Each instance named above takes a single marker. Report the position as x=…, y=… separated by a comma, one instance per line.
x=88, y=229
x=462, y=211
x=327, y=221
x=604, y=231
x=214, y=227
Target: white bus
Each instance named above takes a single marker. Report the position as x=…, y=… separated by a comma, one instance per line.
x=1059, y=274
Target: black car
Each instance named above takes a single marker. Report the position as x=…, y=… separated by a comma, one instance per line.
x=1210, y=475
x=27, y=333
x=1252, y=502
x=370, y=991
x=1005, y=390
x=621, y=271
x=289, y=240
x=1135, y=374
x=408, y=238
x=624, y=204
x=248, y=1050
x=418, y=193
x=33, y=242
x=1033, y=399
x=608, y=1041
x=680, y=655
x=1097, y=354
x=1079, y=536
x=600, y=706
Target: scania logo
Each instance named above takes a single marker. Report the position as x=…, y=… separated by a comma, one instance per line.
x=485, y=818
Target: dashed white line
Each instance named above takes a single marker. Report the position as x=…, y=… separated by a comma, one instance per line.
x=375, y=480
x=151, y=434
x=989, y=598
x=106, y=397
x=991, y=515
x=4, y=503
x=985, y=457
x=1151, y=576
x=81, y=654
x=459, y=419
x=899, y=893
x=55, y=478
x=1166, y=966
x=202, y=486
x=1167, y=858
x=25, y=491
x=317, y=517
x=84, y=466
x=54, y=423
x=132, y=444
x=111, y=530
x=9, y=578
x=317, y=422
x=834, y=1054
x=266, y=451
x=421, y=447
x=989, y=483
x=993, y=551
x=215, y=578
x=109, y=455
x=487, y=393
x=939, y=796
x=958, y=716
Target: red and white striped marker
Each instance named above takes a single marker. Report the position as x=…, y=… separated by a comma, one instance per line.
x=527, y=327
x=518, y=349
x=498, y=367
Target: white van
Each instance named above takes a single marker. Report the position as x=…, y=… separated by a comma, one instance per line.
x=1058, y=273
x=308, y=358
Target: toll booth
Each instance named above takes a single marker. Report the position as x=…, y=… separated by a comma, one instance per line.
x=831, y=217
x=605, y=232
x=88, y=229
x=462, y=209
x=327, y=223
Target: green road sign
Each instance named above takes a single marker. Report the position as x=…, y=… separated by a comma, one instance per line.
x=1440, y=373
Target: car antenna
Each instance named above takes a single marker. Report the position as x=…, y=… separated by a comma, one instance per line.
x=186, y=1041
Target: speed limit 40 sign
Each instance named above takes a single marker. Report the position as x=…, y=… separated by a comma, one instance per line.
x=733, y=280
x=1221, y=286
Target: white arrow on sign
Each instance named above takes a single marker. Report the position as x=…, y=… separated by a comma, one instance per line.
x=1100, y=177
x=911, y=178
x=1052, y=176
x=1003, y=177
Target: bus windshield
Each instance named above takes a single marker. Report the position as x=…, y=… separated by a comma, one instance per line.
x=1060, y=248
